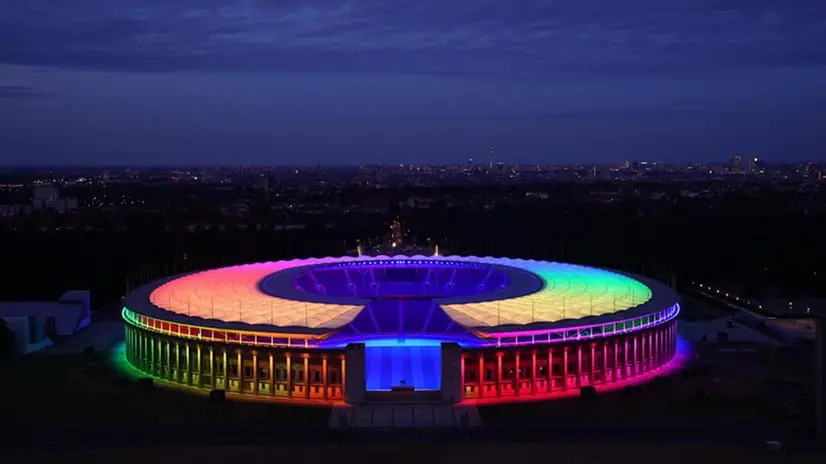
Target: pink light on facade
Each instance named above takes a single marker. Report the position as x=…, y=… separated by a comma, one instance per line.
x=680, y=359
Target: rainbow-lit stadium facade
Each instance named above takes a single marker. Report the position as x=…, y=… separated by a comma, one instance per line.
x=362, y=329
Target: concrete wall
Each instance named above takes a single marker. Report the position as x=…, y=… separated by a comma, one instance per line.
x=80, y=303
x=20, y=327
x=451, y=372
x=354, y=377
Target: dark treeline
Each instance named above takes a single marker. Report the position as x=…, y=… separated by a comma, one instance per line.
x=756, y=245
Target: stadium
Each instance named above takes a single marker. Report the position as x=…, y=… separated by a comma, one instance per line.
x=381, y=328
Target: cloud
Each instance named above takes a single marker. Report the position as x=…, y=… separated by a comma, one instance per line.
x=19, y=92
x=426, y=36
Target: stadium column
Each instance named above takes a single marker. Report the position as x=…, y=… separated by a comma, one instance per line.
x=212, y=380
x=306, y=376
x=550, y=385
x=198, y=366
x=141, y=352
x=658, y=354
x=565, y=367
x=655, y=347
x=289, y=375
x=179, y=375
x=168, y=353
x=159, y=358
x=499, y=374
x=675, y=335
x=150, y=351
x=615, y=371
x=151, y=354
x=672, y=343
x=635, y=366
x=518, y=377
x=643, y=353
x=593, y=364
x=240, y=360
x=604, y=360
x=188, y=365
x=625, y=355
x=271, y=379
x=646, y=351
x=462, y=373
x=151, y=343
x=650, y=357
x=255, y=372
x=664, y=337
x=664, y=344
x=324, y=375
x=226, y=369
x=144, y=352
x=578, y=366
x=343, y=375
x=481, y=375
x=533, y=372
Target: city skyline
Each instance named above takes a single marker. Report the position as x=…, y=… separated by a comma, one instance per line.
x=232, y=82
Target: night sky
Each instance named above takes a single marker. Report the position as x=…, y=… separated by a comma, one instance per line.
x=397, y=81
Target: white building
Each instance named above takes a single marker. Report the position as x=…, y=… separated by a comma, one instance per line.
x=38, y=324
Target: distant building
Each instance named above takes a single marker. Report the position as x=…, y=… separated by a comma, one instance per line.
x=14, y=210
x=59, y=205
x=47, y=197
x=38, y=324
x=753, y=165
x=736, y=164
x=45, y=193
x=269, y=185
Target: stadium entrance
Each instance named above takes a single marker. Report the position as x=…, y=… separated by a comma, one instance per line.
x=403, y=365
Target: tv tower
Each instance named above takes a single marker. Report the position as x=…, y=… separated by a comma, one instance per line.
x=490, y=158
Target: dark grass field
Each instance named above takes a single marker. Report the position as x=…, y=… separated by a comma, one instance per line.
x=68, y=392
x=730, y=387
x=452, y=453
x=53, y=393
